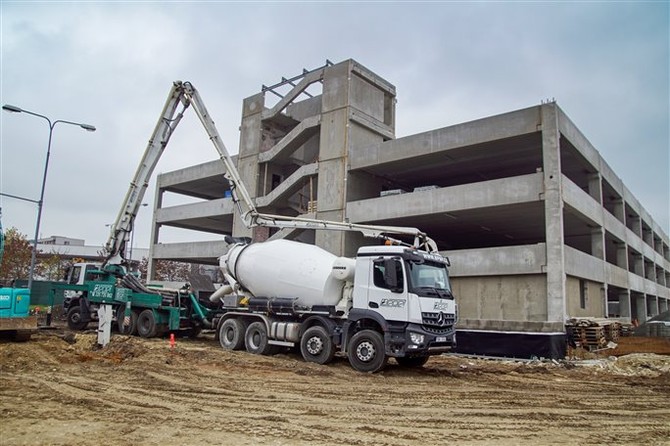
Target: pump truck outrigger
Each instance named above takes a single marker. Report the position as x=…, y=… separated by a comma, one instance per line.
x=390, y=301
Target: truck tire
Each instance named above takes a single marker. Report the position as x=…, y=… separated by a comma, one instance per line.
x=416, y=361
x=256, y=340
x=146, y=324
x=131, y=329
x=74, y=319
x=317, y=346
x=366, y=351
x=232, y=333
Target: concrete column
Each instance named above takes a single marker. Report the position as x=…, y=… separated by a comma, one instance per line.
x=620, y=210
x=650, y=271
x=553, y=211
x=155, y=233
x=247, y=161
x=333, y=151
x=641, y=307
x=621, y=255
x=596, y=187
x=624, y=303
x=598, y=243
x=636, y=225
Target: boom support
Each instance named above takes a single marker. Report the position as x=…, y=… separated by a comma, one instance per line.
x=185, y=94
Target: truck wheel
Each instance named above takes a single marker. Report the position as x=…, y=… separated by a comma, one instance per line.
x=231, y=334
x=131, y=329
x=256, y=340
x=416, y=361
x=317, y=346
x=146, y=324
x=366, y=351
x=74, y=319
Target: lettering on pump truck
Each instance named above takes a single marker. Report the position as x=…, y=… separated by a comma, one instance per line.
x=393, y=303
x=103, y=290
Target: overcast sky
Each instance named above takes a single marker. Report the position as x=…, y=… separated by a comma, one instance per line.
x=111, y=64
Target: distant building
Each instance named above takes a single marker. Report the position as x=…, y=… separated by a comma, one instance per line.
x=74, y=248
x=537, y=225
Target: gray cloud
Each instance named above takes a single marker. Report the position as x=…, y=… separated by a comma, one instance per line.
x=112, y=64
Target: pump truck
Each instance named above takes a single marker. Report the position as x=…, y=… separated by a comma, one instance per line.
x=392, y=300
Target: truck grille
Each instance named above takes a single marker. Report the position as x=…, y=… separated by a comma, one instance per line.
x=439, y=322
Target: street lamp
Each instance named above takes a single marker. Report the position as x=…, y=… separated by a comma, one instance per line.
x=40, y=202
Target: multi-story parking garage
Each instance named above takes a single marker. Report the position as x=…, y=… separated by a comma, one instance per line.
x=537, y=225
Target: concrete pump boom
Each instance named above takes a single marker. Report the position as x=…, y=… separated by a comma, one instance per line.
x=185, y=94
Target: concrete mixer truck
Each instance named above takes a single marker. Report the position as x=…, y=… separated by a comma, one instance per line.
x=390, y=301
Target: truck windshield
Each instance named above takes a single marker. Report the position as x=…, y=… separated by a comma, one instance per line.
x=429, y=279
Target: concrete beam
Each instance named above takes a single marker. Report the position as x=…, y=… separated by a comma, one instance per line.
x=442, y=140
x=212, y=208
x=208, y=251
x=508, y=260
x=506, y=191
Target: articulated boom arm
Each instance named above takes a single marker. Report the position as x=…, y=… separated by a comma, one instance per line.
x=123, y=226
x=185, y=94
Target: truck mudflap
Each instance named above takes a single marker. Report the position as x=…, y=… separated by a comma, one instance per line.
x=414, y=340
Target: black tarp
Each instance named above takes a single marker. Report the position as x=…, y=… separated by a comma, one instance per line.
x=511, y=344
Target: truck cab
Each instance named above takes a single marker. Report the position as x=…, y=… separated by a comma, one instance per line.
x=76, y=275
x=406, y=292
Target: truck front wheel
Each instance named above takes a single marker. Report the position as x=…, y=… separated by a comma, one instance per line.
x=366, y=351
x=75, y=320
x=256, y=340
x=146, y=324
x=231, y=334
x=317, y=346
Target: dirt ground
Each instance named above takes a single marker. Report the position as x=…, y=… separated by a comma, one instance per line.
x=142, y=392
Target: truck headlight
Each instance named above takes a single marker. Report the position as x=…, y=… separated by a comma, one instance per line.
x=416, y=338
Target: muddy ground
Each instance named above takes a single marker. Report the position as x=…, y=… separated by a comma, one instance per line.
x=142, y=392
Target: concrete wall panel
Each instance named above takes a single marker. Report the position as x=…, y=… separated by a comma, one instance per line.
x=334, y=135
x=593, y=298
x=330, y=184
x=518, y=298
x=367, y=98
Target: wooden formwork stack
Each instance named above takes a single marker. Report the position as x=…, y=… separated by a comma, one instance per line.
x=593, y=334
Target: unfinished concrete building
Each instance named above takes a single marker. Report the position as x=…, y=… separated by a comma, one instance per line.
x=537, y=225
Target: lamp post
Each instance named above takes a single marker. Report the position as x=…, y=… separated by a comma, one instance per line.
x=40, y=202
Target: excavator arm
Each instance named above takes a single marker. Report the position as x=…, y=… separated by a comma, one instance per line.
x=184, y=94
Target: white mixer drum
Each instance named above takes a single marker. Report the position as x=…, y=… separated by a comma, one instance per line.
x=284, y=268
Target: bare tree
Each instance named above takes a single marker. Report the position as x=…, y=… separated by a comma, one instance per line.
x=15, y=263
x=172, y=271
